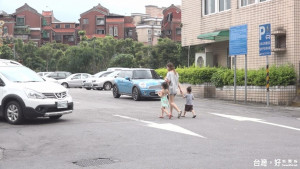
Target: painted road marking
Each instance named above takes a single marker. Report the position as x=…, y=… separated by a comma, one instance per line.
x=167, y=126
x=240, y=118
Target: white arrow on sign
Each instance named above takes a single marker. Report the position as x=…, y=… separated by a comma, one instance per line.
x=240, y=118
x=167, y=126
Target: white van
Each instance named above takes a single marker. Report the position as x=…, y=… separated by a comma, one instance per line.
x=24, y=95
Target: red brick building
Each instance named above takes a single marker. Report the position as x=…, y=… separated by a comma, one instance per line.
x=9, y=23
x=171, y=24
x=98, y=22
x=54, y=30
x=28, y=24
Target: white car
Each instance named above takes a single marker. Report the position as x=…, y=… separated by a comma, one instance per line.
x=88, y=83
x=43, y=73
x=106, y=82
x=24, y=94
x=74, y=80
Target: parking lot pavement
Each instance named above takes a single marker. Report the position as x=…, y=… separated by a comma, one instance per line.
x=109, y=133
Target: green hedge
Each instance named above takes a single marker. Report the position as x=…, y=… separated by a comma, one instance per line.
x=279, y=76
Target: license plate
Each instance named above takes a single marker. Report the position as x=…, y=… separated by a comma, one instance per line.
x=62, y=104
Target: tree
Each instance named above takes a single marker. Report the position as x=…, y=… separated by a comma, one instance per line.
x=123, y=60
x=6, y=52
x=46, y=52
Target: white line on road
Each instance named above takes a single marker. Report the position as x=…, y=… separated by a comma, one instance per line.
x=167, y=126
x=240, y=118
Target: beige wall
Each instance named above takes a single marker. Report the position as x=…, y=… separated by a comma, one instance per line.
x=143, y=36
x=155, y=11
x=279, y=13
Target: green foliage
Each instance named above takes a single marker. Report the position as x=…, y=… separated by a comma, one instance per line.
x=123, y=60
x=279, y=76
x=6, y=52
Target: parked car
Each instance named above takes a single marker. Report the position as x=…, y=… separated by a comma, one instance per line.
x=106, y=82
x=47, y=79
x=43, y=73
x=74, y=80
x=115, y=69
x=58, y=75
x=138, y=83
x=24, y=94
x=88, y=83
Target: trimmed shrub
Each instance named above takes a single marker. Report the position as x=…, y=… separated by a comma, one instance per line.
x=279, y=76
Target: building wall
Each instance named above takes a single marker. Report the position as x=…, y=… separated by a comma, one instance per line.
x=174, y=24
x=143, y=35
x=279, y=13
x=90, y=28
x=32, y=19
x=120, y=26
x=154, y=11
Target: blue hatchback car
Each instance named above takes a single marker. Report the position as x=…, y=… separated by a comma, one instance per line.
x=138, y=83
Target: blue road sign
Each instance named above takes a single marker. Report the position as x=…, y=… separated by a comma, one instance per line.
x=265, y=40
x=238, y=40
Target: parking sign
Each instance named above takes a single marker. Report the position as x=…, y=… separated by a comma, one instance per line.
x=265, y=40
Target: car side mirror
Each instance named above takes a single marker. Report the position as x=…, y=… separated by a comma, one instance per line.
x=127, y=78
x=2, y=84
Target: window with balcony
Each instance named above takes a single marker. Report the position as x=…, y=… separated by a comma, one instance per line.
x=71, y=38
x=67, y=26
x=85, y=21
x=100, y=21
x=149, y=32
x=100, y=31
x=149, y=39
x=57, y=26
x=20, y=21
x=170, y=17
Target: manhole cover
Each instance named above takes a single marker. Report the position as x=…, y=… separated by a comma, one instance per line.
x=95, y=162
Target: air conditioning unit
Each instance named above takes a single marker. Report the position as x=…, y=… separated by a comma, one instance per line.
x=204, y=59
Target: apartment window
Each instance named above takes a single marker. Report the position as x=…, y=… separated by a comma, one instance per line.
x=178, y=31
x=67, y=26
x=280, y=41
x=57, y=26
x=249, y=2
x=5, y=30
x=100, y=31
x=224, y=5
x=100, y=21
x=111, y=31
x=168, y=32
x=170, y=17
x=85, y=21
x=116, y=31
x=129, y=33
x=149, y=32
x=71, y=39
x=209, y=6
x=57, y=37
x=149, y=39
x=20, y=21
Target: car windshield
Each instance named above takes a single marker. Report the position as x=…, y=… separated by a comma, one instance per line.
x=113, y=74
x=20, y=74
x=145, y=74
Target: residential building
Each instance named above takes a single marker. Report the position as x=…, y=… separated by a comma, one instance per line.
x=28, y=24
x=154, y=11
x=99, y=22
x=9, y=23
x=171, y=23
x=206, y=25
x=55, y=30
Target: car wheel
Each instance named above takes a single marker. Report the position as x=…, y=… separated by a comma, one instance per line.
x=116, y=92
x=13, y=113
x=55, y=117
x=65, y=85
x=107, y=86
x=136, y=94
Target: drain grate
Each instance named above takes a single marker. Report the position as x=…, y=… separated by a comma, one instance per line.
x=95, y=162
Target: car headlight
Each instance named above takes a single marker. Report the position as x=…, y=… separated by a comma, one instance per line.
x=142, y=84
x=34, y=94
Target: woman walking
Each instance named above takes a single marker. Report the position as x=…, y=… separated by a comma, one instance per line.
x=173, y=80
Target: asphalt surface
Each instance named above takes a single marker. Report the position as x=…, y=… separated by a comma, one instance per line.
x=109, y=133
